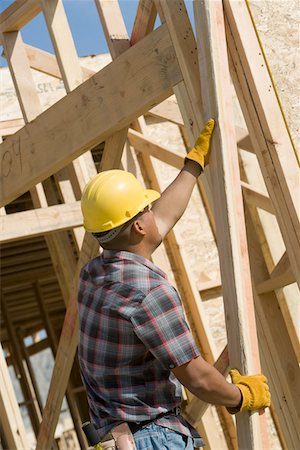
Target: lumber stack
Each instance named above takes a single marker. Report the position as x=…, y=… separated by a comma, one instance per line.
x=169, y=75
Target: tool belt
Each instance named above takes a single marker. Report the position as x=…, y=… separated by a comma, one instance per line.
x=121, y=436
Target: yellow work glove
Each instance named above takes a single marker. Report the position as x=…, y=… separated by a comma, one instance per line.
x=201, y=150
x=254, y=389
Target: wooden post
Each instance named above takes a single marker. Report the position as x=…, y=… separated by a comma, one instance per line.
x=53, y=345
x=278, y=357
x=11, y=420
x=266, y=125
x=25, y=381
x=229, y=213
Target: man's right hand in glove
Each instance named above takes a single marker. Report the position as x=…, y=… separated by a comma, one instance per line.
x=207, y=383
x=254, y=389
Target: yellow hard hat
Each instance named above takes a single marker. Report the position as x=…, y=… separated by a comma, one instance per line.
x=112, y=198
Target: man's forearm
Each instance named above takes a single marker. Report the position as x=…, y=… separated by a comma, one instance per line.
x=173, y=202
x=206, y=383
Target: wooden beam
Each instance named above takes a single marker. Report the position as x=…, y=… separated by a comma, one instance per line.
x=168, y=110
x=275, y=283
x=25, y=381
x=279, y=360
x=11, y=421
x=8, y=127
x=266, y=125
x=40, y=221
x=38, y=346
x=113, y=26
x=18, y=14
x=210, y=289
x=280, y=276
x=229, y=213
x=148, y=147
x=282, y=266
x=90, y=114
x=256, y=198
x=46, y=62
x=118, y=42
x=25, y=87
x=72, y=76
x=42, y=61
x=63, y=43
x=53, y=345
x=144, y=21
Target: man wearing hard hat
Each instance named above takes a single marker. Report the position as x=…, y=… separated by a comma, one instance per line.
x=135, y=346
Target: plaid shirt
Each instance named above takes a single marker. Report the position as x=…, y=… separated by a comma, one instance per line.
x=132, y=332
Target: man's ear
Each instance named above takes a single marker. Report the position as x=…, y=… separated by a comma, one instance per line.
x=138, y=227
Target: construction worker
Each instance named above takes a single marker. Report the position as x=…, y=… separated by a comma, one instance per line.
x=135, y=347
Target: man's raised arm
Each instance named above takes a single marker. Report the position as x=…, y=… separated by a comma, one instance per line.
x=173, y=202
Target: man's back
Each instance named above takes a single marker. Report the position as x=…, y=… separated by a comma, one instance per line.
x=128, y=311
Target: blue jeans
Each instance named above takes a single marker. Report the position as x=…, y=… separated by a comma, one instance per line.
x=154, y=437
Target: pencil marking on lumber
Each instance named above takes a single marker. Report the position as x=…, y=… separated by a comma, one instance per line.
x=17, y=151
x=6, y=164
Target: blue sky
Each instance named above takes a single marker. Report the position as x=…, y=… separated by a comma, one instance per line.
x=84, y=23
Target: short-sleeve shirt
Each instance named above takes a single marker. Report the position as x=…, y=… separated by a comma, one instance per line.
x=132, y=332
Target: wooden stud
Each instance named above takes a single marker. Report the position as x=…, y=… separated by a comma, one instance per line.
x=11, y=420
x=228, y=206
x=63, y=43
x=18, y=14
x=24, y=84
x=279, y=361
x=25, y=381
x=266, y=126
x=53, y=345
x=144, y=20
x=113, y=26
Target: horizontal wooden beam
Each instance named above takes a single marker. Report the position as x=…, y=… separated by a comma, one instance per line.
x=276, y=282
x=8, y=127
x=256, y=198
x=281, y=276
x=210, y=289
x=168, y=110
x=18, y=14
x=147, y=146
x=46, y=62
x=40, y=221
x=89, y=114
x=42, y=273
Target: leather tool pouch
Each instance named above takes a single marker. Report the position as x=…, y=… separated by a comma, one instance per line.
x=123, y=437
x=109, y=445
